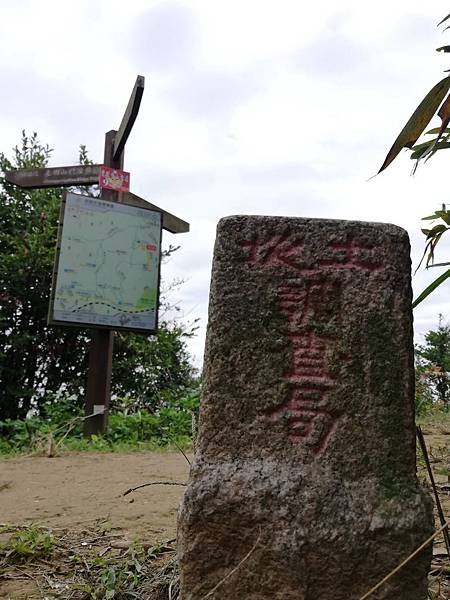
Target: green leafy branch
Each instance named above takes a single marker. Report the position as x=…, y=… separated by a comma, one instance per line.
x=433, y=236
x=436, y=102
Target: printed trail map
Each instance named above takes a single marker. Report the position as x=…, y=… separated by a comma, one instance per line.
x=107, y=270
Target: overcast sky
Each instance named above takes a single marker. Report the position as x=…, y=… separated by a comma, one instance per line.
x=250, y=107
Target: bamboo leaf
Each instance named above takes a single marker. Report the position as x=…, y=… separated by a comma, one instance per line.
x=432, y=238
x=427, y=245
x=443, y=49
x=444, y=215
x=443, y=20
x=418, y=121
x=444, y=114
x=438, y=229
x=445, y=264
x=436, y=130
x=423, y=145
x=433, y=243
x=421, y=150
x=428, y=290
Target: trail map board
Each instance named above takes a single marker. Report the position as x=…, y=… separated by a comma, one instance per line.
x=104, y=296
x=107, y=267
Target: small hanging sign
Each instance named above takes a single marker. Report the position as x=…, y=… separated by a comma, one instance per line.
x=114, y=179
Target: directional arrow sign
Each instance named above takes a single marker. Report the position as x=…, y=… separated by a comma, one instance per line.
x=54, y=176
x=129, y=117
x=169, y=222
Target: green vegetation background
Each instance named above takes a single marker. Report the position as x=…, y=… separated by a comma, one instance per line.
x=43, y=368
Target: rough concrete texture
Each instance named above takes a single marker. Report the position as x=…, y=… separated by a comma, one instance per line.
x=303, y=486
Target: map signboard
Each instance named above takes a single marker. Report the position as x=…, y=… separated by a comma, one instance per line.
x=107, y=265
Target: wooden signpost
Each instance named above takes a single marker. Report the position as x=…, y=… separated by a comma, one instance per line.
x=120, y=139
x=54, y=176
x=98, y=387
x=169, y=222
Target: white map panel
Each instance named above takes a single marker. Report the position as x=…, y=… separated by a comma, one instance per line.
x=108, y=268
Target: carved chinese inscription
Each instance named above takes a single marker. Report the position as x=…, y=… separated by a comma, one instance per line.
x=309, y=358
x=283, y=250
x=304, y=299
x=274, y=252
x=309, y=421
x=349, y=255
x=310, y=380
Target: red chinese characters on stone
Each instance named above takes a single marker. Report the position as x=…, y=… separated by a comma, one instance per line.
x=308, y=419
x=304, y=302
x=278, y=251
x=310, y=379
x=309, y=358
x=308, y=296
x=309, y=422
x=284, y=251
x=351, y=255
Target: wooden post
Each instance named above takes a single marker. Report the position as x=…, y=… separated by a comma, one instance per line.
x=98, y=387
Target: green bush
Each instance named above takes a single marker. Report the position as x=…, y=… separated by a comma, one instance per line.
x=170, y=424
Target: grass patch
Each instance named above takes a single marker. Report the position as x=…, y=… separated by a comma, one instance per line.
x=26, y=543
x=435, y=420
x=93, y=564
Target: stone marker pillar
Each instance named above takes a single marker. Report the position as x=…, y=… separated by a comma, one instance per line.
x=303, y=486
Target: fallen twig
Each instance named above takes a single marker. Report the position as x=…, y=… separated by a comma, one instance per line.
x=138, y=487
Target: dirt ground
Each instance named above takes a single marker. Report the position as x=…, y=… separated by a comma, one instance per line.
x=76, y=490
x=82, y=493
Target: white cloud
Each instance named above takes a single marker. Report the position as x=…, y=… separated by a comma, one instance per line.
x=250, y=107
x=164, y=38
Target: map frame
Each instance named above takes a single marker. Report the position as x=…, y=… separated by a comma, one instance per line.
x=84, y=325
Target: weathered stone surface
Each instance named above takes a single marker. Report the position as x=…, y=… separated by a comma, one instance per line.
x=306, y=445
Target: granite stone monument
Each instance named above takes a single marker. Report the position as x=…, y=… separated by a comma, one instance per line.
x=304, y=481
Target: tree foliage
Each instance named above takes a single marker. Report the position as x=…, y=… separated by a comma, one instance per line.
x=433, y=365
x=37, y=361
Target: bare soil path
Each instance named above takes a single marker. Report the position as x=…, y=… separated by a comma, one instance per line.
x=75, y=490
